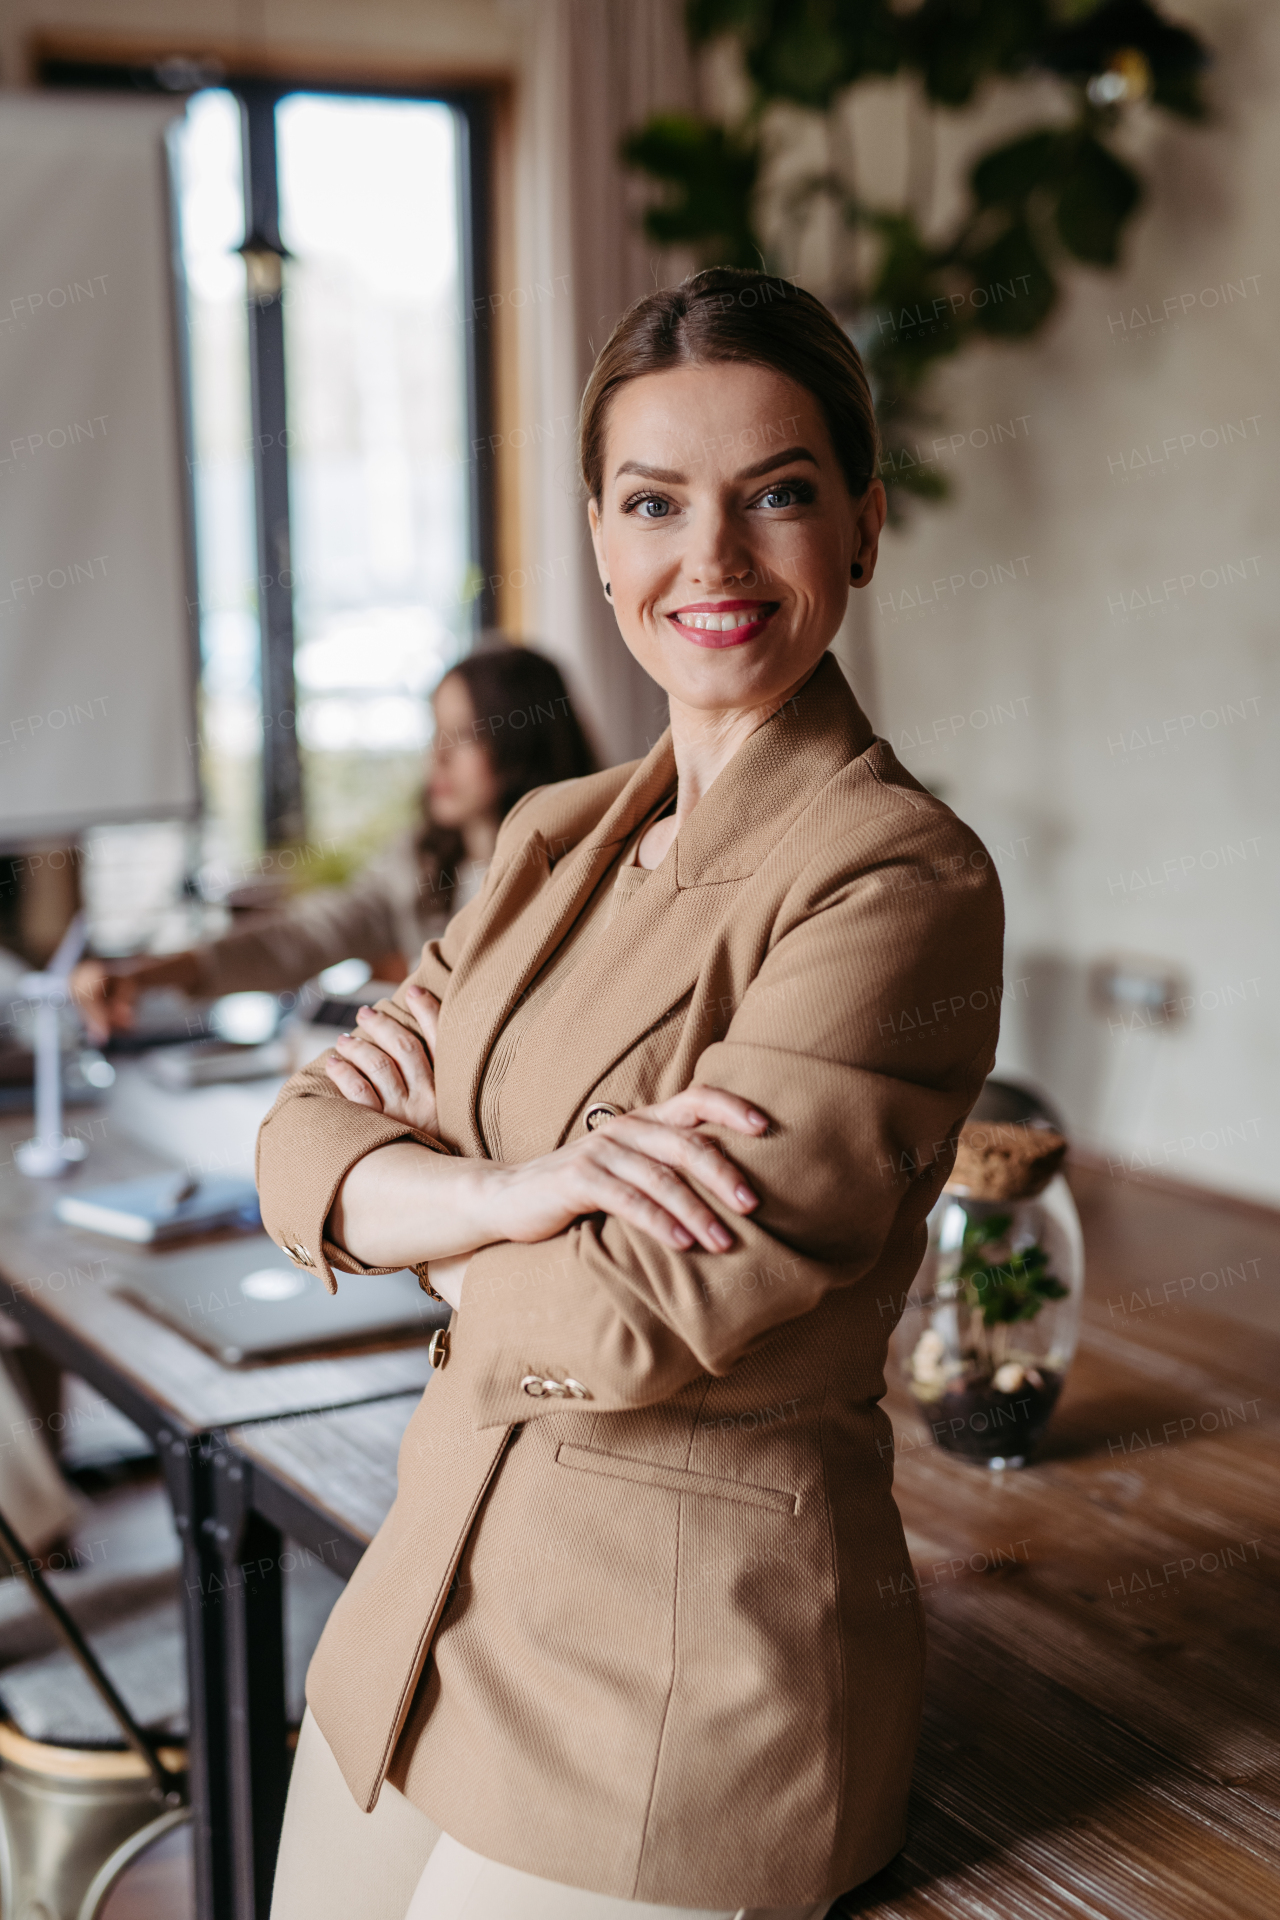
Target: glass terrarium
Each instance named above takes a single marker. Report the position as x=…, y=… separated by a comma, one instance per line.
x=994, y=1316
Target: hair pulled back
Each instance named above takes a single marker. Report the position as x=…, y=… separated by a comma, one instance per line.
x=737, y=314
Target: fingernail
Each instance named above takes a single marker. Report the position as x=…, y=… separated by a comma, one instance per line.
x=757, y=1119
x=720, y=1238
x=744, y=1196
x=346, y=1036
x=683, y=1239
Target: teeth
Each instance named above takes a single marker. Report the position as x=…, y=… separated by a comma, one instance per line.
x=718, y=622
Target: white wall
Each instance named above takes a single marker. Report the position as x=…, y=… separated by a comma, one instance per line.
x=1132, y=498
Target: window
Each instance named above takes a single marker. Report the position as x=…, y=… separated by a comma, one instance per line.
x=333, y=249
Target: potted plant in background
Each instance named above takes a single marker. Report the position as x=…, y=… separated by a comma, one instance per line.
x=992, y=1322
x=911, y=291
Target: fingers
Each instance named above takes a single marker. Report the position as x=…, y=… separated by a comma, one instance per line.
x=88, y=990
x=615, y=1196
x=121, y=994
x=378, y=1068
x=663, y=1187
x=425, y=1009
x=350, y=1084
x=399, y=1044
x=712, y=1105
x=692, y=1153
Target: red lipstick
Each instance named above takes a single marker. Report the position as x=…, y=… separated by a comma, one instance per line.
x=712, y=623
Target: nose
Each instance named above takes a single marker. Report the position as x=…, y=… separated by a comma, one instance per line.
x=719, y=553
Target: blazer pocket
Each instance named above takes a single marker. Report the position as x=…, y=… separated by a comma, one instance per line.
x=649, y=1473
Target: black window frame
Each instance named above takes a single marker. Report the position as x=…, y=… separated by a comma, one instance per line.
x=283, y=813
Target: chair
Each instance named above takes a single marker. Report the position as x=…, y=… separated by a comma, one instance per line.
x=77, y=1805
x=71, y=1820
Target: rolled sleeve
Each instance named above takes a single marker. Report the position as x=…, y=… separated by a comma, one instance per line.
x=298, y=1184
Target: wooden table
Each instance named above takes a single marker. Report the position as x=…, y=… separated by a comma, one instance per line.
x=326, y=1479
x=1100, y=1732
x=57, y=1283
x=1101, y=1719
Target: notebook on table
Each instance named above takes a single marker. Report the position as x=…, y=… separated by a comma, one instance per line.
x=249, y=1304
x=160, y=1207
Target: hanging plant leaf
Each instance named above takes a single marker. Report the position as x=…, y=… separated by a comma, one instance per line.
x=1006, y=176
x=708, y=19
x=915, y=320
x=1096, y=197
x=1176, y=58
x=711, y=178
x=955, y=44
x=804, y=51
x=1014, y=291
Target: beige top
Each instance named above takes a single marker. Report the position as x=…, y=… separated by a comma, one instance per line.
x=608, y=900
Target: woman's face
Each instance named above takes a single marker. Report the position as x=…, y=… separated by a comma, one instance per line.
x=727, y=532
x=461, y=785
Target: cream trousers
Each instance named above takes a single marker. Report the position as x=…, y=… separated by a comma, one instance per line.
x=395, y=1864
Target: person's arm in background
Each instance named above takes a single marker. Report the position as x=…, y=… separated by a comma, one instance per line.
x=276, y=955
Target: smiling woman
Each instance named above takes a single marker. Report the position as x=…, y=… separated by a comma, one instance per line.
x=647, y=1118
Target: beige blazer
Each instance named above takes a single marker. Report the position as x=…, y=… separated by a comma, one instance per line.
x=656, y=1640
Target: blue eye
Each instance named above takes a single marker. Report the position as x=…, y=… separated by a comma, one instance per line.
x=660, y=508
x=791, y=493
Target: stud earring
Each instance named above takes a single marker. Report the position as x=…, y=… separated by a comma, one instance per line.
x=608, y=590
x=855, y=571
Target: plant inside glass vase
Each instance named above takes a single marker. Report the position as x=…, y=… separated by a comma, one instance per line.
x=971, y=1362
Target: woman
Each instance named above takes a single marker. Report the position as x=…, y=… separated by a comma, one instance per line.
x=662, y=1117
x=503, y=725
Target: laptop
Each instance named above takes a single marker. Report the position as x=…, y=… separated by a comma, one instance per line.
x=246, y=1303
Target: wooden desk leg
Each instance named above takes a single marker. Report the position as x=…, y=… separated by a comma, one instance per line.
x=257, y=1750
x=188, y=1475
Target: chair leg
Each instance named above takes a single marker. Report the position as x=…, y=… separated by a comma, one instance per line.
x=125, y=1854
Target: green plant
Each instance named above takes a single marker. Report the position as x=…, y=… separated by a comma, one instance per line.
x=1058, y=194
x=1006, y=1289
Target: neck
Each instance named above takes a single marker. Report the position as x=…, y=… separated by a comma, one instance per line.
x=705, y=740
x=479, y=838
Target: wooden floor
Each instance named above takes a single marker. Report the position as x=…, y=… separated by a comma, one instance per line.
x=1101, y=1727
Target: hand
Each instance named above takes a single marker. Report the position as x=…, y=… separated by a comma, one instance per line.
x=385, y=1066
x=634, y=1167
x=447, y=1276
x=106, y=991
x=104, y=999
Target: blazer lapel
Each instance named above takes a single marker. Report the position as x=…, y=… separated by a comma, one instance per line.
x=651, y=955
x=533, y=905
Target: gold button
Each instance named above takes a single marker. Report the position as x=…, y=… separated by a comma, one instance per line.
x=596, y=1115
x=576, y=1388
x=438, y=1347
x=300, y=1254
x=534, y=1385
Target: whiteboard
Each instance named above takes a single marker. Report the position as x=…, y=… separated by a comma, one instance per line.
x=97, y=639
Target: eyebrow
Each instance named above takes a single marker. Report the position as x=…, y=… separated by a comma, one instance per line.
x=673, y=478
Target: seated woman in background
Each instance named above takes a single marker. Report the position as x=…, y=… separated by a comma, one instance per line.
x=504, y=724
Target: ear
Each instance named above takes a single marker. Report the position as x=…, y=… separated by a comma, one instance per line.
x=597, y=539
x=868, y=525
